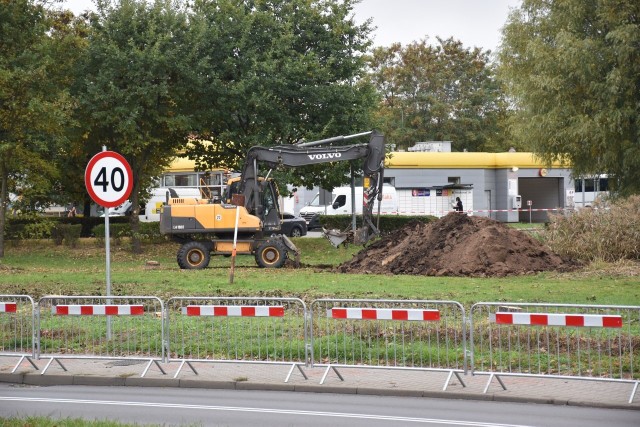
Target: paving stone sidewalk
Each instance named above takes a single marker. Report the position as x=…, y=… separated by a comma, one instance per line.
x=256, y=376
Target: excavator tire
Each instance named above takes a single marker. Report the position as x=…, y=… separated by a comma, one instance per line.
x=193, y=256
x=271, y=254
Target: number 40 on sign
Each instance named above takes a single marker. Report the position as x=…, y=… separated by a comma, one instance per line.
x=108, y=179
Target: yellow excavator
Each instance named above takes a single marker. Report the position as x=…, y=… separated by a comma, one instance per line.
x=207, y=227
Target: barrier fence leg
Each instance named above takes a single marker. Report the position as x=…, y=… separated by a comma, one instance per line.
x=633, y=392
x=327, y=372
x=295, y=365
x=151, y=362
x=457, y=374
x=180, y=368
x=22, y=358
x=489, y=383
x=446, y=383
x=49, y=364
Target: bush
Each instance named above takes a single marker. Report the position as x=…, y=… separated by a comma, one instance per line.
x=608, y=233
x=57, y=234
x=116, y=232
x=71, y=234
x=30, y=226
x=150, y=232
x=388, y=223
x=39, y=229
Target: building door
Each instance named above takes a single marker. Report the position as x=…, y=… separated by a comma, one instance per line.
x=487, y=204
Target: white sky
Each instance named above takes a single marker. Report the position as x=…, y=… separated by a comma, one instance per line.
x=473, y=22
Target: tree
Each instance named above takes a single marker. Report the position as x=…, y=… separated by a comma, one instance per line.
x=34, y=102
x=438, y=92
x=132, y=88
x=274, y=72
x=572, y=70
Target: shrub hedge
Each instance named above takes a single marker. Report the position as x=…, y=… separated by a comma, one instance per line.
x=41, y=227
x=65, y=230
x=148, y=232
x=388, y=223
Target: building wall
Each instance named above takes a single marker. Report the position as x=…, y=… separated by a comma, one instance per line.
x=492, y=194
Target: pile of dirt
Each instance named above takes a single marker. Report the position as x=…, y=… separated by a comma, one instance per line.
x=456, y=245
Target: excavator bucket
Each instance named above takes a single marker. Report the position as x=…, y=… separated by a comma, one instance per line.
x=336, y=237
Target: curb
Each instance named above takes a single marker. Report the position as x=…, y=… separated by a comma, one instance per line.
x=88, y=380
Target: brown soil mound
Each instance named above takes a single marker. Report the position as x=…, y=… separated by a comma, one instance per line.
x=456, y=245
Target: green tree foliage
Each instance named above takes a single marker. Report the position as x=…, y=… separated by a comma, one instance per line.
x=276, y=71
x=132, y=87
x=572, y=67
x=442, y=92
x=34, y=102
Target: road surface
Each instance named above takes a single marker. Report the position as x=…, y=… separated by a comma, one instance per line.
x=190, y=406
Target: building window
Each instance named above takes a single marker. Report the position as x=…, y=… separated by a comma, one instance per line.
x=453, y=180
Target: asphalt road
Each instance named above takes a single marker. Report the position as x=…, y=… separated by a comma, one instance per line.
x=179, y=406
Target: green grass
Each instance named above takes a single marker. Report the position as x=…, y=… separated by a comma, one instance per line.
x=39, y=268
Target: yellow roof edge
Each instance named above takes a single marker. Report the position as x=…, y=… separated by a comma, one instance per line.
x=466, y=160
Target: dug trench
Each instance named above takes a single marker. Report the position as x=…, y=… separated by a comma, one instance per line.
x=456, y=245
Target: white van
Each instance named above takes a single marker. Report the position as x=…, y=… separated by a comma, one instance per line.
x=341, y=204
x=150, y=211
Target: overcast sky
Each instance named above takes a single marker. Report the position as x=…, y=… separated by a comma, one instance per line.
x=473, y=22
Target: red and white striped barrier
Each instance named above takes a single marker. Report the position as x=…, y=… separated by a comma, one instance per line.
x=383, y=314
x=545, y=319
x=98, y=310
x=233, y=310
x=8, y=307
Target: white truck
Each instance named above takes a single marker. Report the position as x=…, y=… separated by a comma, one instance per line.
x=341, y=204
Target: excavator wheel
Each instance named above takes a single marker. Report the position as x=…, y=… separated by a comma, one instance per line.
x=193, y=256
x=271, y=254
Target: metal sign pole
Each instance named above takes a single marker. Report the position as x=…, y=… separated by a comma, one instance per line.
x=107, y=244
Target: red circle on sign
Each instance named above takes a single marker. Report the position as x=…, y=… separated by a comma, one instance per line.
x=100, y=175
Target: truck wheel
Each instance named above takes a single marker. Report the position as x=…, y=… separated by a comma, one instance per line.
x=271, y=254
x=193, y=256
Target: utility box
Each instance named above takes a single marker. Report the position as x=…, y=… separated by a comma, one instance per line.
x=517, y=202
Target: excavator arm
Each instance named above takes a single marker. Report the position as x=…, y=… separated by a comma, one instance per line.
x=317, y=152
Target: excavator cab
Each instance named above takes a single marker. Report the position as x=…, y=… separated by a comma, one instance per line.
x=267, y=209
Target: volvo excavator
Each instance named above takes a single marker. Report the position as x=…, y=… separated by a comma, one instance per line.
x=207, y=227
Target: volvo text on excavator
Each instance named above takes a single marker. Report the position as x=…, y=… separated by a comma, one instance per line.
x=207, y=227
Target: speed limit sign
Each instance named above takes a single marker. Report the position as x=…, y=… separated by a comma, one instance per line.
x=108, y=179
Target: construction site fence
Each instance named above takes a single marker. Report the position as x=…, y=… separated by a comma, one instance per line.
x=95, y=327
x=17, y=327
x=236, y=329
x=594, y=342
x=388, y=334
x=498, y=339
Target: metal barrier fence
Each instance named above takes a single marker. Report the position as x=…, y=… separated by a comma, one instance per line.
x=237, y=329
x=593, y=342
x=93, y=327
x=17, y=328
x=389, y=334
x=588, y=342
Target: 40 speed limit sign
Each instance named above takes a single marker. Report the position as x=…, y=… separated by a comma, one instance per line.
x=108, y=179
